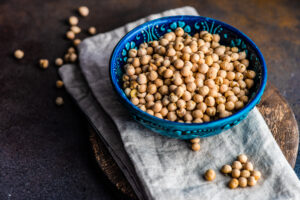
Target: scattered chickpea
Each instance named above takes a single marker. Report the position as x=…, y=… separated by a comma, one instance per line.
x=245, y=173
x=210, y=175
x=251, y=181
x=92, y=30
x=243, y=182
x=235, y=173
x=237, y=165
x=76, y=42
x=19, y=54
x=83, y=11
x=59, y=101
x=195, y=140
x=75, y=29
x=59, y=84
x=256, y=174
x=70, y=35
x=242, y=158
x=59, y=62
x=233, y=183
x=195, y=146
x=73, y=20
x=226, y=169
x=248, y=166
x=44, y=63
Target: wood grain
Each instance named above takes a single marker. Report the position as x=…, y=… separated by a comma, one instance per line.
x=275, y=110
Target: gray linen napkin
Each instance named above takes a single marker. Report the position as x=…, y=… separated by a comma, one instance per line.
x=167, y=168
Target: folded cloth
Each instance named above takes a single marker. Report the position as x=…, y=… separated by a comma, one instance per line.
x=163, y=168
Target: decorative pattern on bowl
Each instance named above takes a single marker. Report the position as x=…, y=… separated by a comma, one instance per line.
x=153, y=30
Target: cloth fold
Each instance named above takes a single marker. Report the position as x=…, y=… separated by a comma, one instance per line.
x=162, y=168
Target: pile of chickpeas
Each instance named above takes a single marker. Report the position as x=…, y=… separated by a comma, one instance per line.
x=241, y=171
x=188, y=79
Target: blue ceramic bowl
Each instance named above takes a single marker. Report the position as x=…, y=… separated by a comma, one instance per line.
x=153, y=30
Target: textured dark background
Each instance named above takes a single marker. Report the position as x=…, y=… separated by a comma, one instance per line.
x=44, y=150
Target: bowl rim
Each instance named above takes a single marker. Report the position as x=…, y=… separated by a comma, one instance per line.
x=225, y=120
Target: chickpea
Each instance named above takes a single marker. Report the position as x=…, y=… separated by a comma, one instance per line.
x=132, y=53
x=73, y=20
x=221, y=108
x=149, y=98
x=190, y=105
x=191, y=87
x=178, y=64
x=188, y=116
x=59, y=62
x=59, y=84
x=256, y=174
x=249, y=83
x=195, y=140
x=158, y=115
x=229, y=105
x=142, y=79
x=205, y=118
x=204, y=90
x=44, y=63
x=152, y=89
x=150, y=112
x=198, y=98
x=245, y=62
x=243, y=182
x=172, y=116
x=59, y=101
x=142, y=101
x=210, y=101
x=92, y=30
x=242, y=55
x=164, y=111
x=245, y=173
x=179, y=32
x=251, y=181
x=232, y=98
x=248, y=166
x=164, y=42
x=240, y=68
x=211, y=111
x=226, y=169
x=181, y=112
x=203, y=68
x=143, y=108
x=224, y=114
x=202, y=106
x=135, y=101
x=230, y=76
x=195, y=146
x=237, y=165
x=220, y=50
x=233, y=183
x=149, y=105
x=157, y=107
x=244, y=99
x=173, y=98
x=19, y=54
x=197, y=114
x=186, y=96
x=210, y=175
x=235, y=173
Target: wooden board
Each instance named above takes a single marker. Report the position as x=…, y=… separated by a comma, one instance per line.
x=275, y=110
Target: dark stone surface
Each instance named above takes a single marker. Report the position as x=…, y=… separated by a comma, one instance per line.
x=44, y=150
